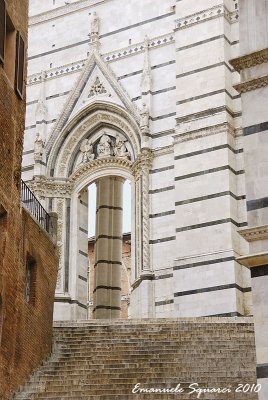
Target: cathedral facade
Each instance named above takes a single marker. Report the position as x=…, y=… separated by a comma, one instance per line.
x=142, y=91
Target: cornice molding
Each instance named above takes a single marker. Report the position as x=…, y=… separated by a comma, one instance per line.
x=198, y=133
x=214, y=12
x=252, y=84
x=62, y=11
x=250, y=60
x=255, y=233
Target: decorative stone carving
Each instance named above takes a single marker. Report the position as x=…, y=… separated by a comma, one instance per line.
x=120, y=149
x=97, y=88
x=253, y=84
x=95, y=23
x=250, y=60
x=104, y=148
x=144, y=122
x=146, y=79
x=38, y=148
x=94, y=32
x=87, y=151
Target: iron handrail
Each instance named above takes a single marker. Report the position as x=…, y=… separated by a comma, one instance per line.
x=34, y=206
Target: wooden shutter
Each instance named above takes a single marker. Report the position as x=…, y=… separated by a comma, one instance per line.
x=2, y=30
x=19, y=71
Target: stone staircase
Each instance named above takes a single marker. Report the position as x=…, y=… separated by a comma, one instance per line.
x=104, y=360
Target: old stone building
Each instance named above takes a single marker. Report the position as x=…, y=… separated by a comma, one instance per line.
x=172, y=96
x=146, y=96
x=28, y=260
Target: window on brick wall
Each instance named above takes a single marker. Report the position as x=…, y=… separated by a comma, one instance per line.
x=30, y=280
x=12, y=51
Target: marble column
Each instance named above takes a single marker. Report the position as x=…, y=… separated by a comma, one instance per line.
x=108, y=248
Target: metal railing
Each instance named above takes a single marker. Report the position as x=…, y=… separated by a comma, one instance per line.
x=34, y=206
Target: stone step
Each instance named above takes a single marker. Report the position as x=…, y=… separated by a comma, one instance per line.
x=104, y=360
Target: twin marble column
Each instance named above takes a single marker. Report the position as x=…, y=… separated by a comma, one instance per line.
x=108, y=248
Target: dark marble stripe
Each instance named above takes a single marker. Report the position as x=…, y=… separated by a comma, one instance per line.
x=28, y=152
x=83, y=253
x=148, y=21
x=212, y=289
x=230, y=314
x=155, y=93
x=202, y=96
x=28, y=168
x=210, y=196
x=201, y=263
x=162, y=214
x=39, y=123
x=83, y=203
x=139, y=72
x=83, y=230
x=257, y=272
x=250, y=130
x=48, y=98
x=107, y=262
x=163, y=116
x=257, y=204
x=109, y=237
x=109, y=208
x=208, y=150
x=209, y=171
x=82, y=278
x=207, y=41
x=58, y=300
x=165, y=276
x=165, y=189
x=164, y=302
x=262, y=371
x=163, y=133
x=207, y=113
x=100, y=307
x=211, y=223
x=162, y=240
x=106, y=288
x=162, y=169
x=208, y=67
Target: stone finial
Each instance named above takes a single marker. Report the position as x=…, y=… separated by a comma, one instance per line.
x=38, y=148
x=146, y=79
x=94, y=30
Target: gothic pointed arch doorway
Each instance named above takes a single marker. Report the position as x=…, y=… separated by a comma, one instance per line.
x=103, y=144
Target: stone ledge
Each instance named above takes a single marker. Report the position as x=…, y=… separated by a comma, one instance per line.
x=255, y=233
x=252, y=84
x=253, y=260
x=250, y=60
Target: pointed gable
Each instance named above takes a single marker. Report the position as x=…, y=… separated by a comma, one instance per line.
x=97, y=81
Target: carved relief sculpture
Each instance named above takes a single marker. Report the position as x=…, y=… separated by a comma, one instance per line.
x=104, y=148
x=144, y=122
x=87, y=150
x=120, y=149
x=38, y=148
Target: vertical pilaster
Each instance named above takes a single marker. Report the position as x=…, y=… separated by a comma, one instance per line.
x=108, y=248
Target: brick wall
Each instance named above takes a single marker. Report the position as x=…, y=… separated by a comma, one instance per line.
x=25, y=328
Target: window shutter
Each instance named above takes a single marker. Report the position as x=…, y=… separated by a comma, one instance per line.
x=19, y=71
x=2, y=30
